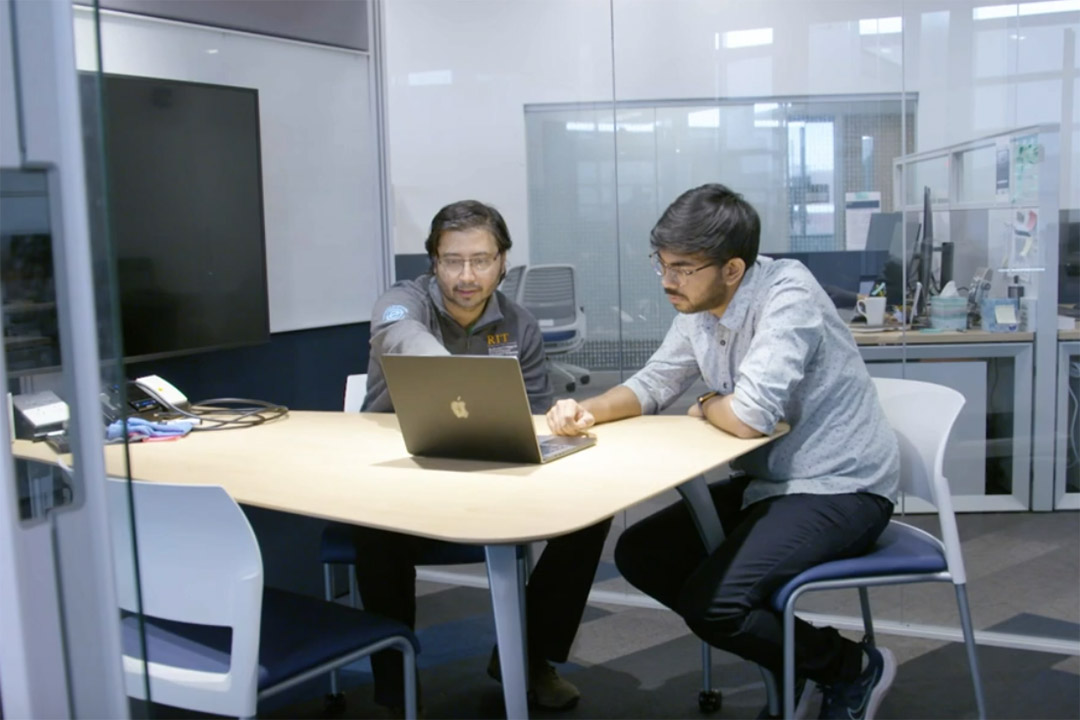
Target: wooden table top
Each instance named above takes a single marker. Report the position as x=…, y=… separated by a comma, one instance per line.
x=353, y=467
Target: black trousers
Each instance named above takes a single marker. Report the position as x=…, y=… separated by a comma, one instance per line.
x=724, y=596
x=555, y=595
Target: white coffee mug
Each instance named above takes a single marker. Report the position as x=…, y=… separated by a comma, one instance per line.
x=871, y=308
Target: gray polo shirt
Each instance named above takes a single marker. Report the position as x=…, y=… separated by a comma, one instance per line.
x=411, y=319
x=785, y=354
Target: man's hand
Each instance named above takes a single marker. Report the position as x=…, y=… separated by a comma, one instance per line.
x=694, y=411
x=567, y=417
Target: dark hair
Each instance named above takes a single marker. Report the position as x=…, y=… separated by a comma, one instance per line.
x=466, y=215
x=710, y=220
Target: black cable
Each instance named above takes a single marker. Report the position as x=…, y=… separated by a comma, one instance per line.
x=249, y=414
x=209, y=415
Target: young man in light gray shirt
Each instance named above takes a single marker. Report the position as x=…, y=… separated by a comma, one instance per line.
x=766, y=339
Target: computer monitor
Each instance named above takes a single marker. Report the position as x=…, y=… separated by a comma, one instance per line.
x=884, y=232
x=884, y=236
x=925, y=249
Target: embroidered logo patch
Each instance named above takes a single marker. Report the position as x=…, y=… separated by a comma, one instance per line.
x=510, y=348
x=394, y=313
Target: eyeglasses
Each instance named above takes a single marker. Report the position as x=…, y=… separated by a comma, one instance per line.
x=456, y=265
x=678, y=273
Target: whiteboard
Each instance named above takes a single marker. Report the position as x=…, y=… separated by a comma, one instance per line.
x=323, y=247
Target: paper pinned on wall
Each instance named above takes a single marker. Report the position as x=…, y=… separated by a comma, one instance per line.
x=858, y=207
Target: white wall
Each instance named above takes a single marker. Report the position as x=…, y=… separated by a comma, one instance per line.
x=459, y=74
x=318, y=163
x=464, y=136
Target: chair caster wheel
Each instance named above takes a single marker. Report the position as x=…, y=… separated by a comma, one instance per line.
x=570, y=387
x=709, y=701
x=334, y=703
x=584, y=379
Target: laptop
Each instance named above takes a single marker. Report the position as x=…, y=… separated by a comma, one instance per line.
x=472, y=407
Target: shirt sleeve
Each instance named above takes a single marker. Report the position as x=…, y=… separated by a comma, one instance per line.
x=400, y=323
x=668, y=373
x=534, y=365
x=785, y=340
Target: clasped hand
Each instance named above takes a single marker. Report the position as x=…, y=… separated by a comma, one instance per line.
x=568, y=417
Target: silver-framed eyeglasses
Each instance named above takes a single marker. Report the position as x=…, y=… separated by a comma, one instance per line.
x=679, y=273
x=456, y=265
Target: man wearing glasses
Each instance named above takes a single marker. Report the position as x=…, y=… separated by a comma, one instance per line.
x=768, y=342
x=456, y=310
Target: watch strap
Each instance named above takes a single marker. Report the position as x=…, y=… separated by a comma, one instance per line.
x=705, y=398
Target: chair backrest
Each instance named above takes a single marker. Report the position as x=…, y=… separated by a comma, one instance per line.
x=199, y=563
x=922, y=414
x=355, y=390
x=549, y=292
x=511, y=284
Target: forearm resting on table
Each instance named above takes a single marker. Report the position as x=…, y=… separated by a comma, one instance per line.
x=617, y=403
x=718, y=412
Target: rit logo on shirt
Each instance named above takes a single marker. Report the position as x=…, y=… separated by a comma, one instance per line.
x=498, y=339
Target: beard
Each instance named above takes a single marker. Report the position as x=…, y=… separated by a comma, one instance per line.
x=715, y=296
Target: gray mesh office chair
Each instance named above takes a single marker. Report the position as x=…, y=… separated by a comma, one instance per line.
x=511, y=284
x=550, y=293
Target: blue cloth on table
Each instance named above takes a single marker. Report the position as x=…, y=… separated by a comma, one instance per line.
x=141, y=428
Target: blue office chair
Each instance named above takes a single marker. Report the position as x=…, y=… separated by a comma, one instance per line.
x=922, y=415
x=216, y=640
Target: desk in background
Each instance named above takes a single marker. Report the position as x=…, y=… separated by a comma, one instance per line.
x=353, y=468
x=968, y=361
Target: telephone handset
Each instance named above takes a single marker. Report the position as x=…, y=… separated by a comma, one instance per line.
x=163, y=391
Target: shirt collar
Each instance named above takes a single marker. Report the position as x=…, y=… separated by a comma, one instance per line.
x=492, y=312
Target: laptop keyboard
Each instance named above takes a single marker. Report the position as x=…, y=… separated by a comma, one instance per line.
x=556, y=443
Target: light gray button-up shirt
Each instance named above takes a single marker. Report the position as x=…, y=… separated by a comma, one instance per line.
x=786, y=355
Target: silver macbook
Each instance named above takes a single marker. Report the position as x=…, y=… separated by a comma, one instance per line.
x=472, y=407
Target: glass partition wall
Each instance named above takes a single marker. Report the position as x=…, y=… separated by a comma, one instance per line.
x=842, y=123
x=62, y=579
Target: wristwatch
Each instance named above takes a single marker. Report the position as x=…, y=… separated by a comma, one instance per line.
x=705, y=398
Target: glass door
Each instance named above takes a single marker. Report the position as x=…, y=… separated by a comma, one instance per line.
x=61, y=655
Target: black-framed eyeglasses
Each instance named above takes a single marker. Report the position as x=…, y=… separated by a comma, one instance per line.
x=456, y=265
x=679, y=273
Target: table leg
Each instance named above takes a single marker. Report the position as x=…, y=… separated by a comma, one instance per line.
x=508, y=601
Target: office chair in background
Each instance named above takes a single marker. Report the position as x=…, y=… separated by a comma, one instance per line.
x=549, y=292
x=511, y=284
x=217, y=640
x=922, y=415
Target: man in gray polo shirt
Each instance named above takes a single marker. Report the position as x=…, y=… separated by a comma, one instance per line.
x=767, y=341
x=457, y=310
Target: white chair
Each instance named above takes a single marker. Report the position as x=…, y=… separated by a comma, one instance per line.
x=922, y=415
x=549, y=292
x=355, y=390
x=217, y=640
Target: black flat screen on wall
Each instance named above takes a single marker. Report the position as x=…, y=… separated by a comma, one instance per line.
x=185, y=211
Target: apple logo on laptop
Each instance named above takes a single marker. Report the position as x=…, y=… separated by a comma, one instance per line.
x=458, y=408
